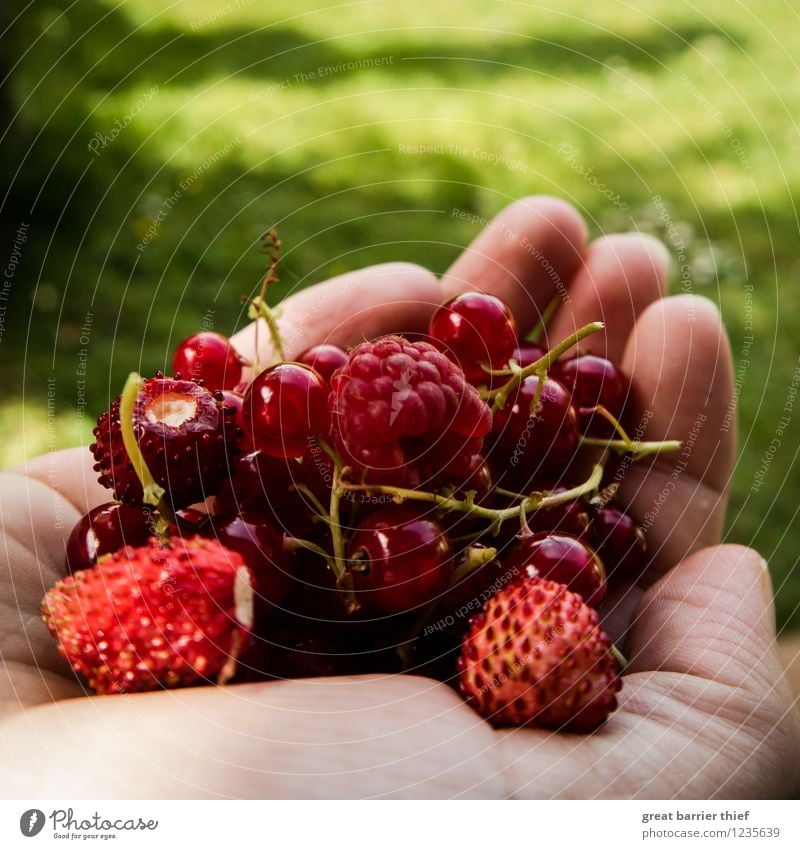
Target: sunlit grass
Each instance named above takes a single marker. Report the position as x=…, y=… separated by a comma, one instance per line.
x=696, y=105
x=38, y=432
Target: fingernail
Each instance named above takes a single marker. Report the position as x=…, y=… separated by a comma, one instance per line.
x=766, y=577
x=769, y=593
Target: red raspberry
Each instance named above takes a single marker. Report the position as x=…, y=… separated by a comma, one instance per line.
x=397, y=404
x=186, y=434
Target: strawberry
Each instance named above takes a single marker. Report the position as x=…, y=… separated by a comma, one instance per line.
x=187, y=436
x=536, y=655
x=154, y=616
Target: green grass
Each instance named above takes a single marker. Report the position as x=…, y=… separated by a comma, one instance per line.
x=694, y=105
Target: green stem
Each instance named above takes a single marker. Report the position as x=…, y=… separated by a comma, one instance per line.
x=474, y=558
x=339, y=562
x=301, y=487
x=337, y=538
x=295, y=543
x=152, y=493
x=549, y=311
x=626, y=445
x=509, y=493
x=638, y=449
x=500, y=395
x=535, y=501
x=259, y=308
x=621, y=659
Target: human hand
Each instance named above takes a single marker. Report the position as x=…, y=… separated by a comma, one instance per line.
x=704, y=711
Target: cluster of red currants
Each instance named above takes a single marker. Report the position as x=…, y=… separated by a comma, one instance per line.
x=379, y=496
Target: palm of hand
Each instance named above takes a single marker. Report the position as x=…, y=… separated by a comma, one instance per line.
x=704, y=711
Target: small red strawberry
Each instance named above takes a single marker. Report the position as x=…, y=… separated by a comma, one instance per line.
x=536, y=655
x=152, y=617
x=186, y=435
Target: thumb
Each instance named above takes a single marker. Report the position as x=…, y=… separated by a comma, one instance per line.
x=712, y=616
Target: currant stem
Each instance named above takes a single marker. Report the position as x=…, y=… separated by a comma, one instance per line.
x=638, y=449
x=620, y=657
x=259, y=308
x=339, y=562
x=535, y=501
x=295, y=543
x=549, y=311
x=152, y=493
x=626, y=445
x=509, y=493
x=301, y=487
x=475, y=557
x=500, y=395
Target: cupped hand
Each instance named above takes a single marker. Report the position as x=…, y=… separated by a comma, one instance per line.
x=704, y=712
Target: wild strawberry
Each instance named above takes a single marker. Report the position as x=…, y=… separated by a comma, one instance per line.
x=152, y=617
x=536, y=655
x=186, y=435
x=402, y=412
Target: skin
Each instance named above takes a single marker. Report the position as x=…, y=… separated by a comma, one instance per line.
x=705, y=711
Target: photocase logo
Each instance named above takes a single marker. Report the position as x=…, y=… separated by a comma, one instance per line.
x=402, y=389
x=31, y=822
x=65, y=824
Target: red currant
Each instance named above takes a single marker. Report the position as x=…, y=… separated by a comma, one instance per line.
x=284, y=407
x=528, y=353
x=190, y=520
x=209, y=357
x=564, y=559
x=468, y=593
x=478, y=481
x=571, y=518
x=475, y=329
x=620, y=541
x=533, y=436
x=593, y=381
x=295, y=652
x=261, y=547
x=400, y=559
x=265, y=485
x=104, y=530
x=234, y=400
x=324, y=358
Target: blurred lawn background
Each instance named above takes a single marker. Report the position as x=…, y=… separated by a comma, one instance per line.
x=299, y=114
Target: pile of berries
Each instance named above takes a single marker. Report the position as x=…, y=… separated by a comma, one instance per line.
x=408, y=505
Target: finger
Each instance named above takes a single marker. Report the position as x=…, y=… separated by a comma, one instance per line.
x=526, y=255
x=70, y=474
x=395, y=297
x=620, y=277
x=711, y=616
x=34, y=523
x=680, y=364
x=324, y=738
